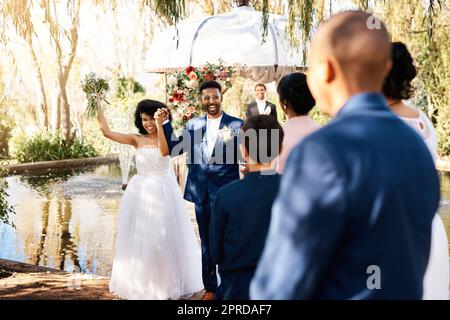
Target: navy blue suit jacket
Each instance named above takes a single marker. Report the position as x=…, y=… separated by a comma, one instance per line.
x=239, y=224
x=353, y=216
x=206, y=174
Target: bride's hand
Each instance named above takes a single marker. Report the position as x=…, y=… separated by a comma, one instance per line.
x=159, y=118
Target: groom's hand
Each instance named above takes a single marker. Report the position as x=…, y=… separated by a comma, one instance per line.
x=165, y=114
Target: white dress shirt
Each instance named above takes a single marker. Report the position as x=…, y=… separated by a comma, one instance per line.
x=212, y=129
x=261, y=105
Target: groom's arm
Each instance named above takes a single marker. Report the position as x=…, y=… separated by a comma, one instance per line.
x=176, y=144
x=306, y=227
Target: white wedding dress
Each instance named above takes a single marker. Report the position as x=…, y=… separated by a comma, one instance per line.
x=157, y=254
x=436, y=279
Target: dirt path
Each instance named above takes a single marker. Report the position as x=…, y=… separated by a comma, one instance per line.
x=24, y=281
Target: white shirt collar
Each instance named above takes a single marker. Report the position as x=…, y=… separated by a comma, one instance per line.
x=215, y=119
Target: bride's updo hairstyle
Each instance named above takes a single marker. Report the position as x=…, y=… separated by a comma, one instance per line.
x=148, y=107
x=398, y=83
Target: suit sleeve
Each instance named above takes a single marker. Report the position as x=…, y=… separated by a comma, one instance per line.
x=274, y=111
x=176, y=144
x=306, y=227
x=248, y=113
x=217, y=230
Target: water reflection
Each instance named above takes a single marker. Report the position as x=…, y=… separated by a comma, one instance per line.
x=68, y=220
x=65, y=221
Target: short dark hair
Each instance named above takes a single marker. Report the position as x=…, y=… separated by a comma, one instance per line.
x=210, y=84
x=293, y=89
x=261, y=85
x=263, y=124
x=148, y=107
x=398, y=82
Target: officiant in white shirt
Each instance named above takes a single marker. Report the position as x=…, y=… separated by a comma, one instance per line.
x=260, y=105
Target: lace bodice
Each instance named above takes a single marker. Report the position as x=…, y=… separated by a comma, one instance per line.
x=149, y=162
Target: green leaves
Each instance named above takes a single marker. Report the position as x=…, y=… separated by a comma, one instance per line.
x=5, y=209
x=47, y=147
x=127, y=87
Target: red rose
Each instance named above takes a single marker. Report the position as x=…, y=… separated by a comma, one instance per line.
x=177, y=96
x=209, y=76
x=193, y=76
x=189, y=69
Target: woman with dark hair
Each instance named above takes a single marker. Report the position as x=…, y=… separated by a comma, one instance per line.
x=398, y=87
x=156, y=255
x=296, y=101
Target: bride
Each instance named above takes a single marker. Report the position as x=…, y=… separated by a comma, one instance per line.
x=157, y=254
x=396, y=88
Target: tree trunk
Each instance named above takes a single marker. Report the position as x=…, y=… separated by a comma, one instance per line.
x=56, y=112
x=63, y=106
x=66, y=124
x=42, y=104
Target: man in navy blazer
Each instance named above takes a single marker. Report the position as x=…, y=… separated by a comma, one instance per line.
x=242, y=209
x=211, y=145
x=353, y=216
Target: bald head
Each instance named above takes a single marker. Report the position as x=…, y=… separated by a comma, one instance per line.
x=362, y=52
x=355, y=47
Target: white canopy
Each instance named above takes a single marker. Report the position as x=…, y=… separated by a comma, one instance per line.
x=233, y=37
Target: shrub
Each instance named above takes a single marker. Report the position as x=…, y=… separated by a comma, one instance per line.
x=46, y=147
x=5, y=209
x=6, y=125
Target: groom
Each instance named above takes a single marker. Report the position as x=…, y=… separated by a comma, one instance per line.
x=211, y=143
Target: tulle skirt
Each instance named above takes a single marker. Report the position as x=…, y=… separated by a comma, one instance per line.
x=157, y=254
x=436, y=279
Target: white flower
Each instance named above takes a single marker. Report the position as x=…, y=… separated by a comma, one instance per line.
x=216, y=73
x=192, y=84
x=172, y=80
x=225, y=134
x=186, y=92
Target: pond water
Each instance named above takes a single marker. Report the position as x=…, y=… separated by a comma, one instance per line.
x=68, y=220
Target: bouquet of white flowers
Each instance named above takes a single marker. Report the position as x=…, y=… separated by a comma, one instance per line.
x=94, y=87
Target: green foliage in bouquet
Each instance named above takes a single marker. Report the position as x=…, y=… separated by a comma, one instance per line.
x=93, y=87
x=47, y=147
x=5, y=209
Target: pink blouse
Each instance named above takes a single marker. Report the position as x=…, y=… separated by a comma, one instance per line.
x=295, y=129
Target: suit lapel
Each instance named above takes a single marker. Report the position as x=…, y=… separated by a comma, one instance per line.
x=204, y=147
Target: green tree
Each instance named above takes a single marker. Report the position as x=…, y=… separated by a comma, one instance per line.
x=19, y=14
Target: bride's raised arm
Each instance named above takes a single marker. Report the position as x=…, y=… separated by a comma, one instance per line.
x=115, y=136
x=160, y=117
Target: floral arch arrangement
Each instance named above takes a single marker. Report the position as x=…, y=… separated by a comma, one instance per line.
x=183, y=85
